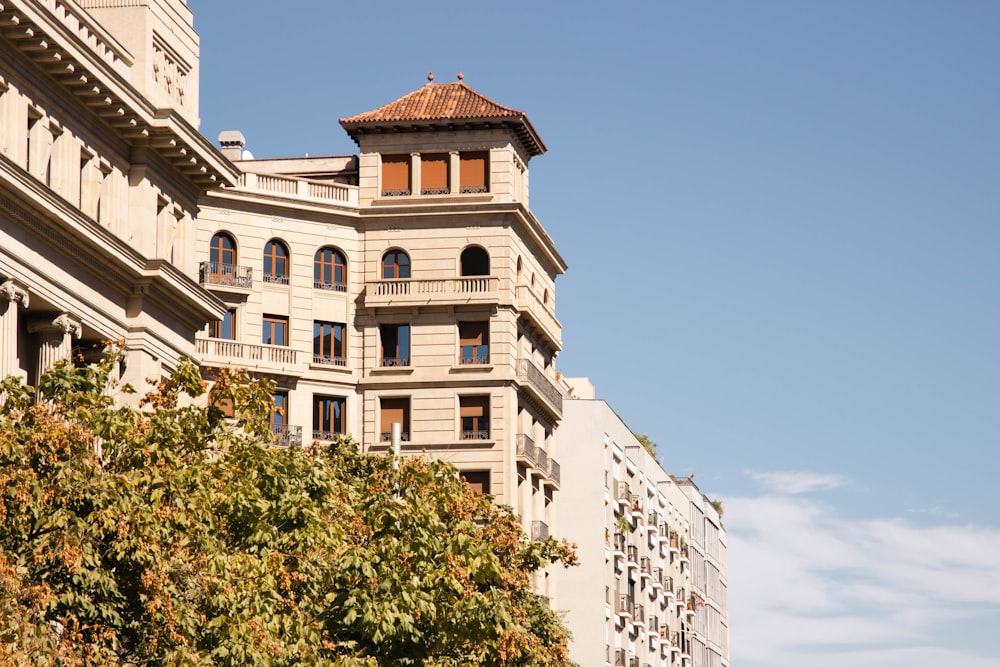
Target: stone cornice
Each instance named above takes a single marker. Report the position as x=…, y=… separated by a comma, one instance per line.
x=97, y=76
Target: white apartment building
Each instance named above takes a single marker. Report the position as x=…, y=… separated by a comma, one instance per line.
x=651, y=588
x=101, y=169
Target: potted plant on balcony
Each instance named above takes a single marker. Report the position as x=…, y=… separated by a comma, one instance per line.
x=673, y=538
x=624, y=525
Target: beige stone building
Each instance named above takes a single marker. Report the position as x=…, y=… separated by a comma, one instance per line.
x=651, y=586
x=101, y=169
x=410, y=283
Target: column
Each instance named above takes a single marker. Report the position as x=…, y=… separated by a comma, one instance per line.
x=12, y=293
x=56, y=342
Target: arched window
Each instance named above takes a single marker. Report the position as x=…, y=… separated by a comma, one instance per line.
x=220, y=269
x=275, y=262
x=395, y=264
x=222, y=250
x=330, y=270
x=475, y=262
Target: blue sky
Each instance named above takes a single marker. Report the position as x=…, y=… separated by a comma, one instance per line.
x=782, y=222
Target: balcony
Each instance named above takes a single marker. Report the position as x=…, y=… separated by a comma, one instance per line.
x=287, y=436
x=639, y=615
x=620, y=658
x=404, y=436
x=626, y=607
x=225, y=275
x=633, y=556
x=254, y=356
x=657, y=577
x=538, y=314
x=555, y=472
x=481, y=434
x=645, y=567
x=539, y=531
x=653, y=520
x=545, y=391
x=471, y=290
x=622, y=495
x=526, y=451
x=620, y=544
x=326, y=360
x=543, y=461
x=326, y=436
x=300, y=188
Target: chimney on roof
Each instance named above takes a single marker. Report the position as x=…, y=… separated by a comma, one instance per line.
x=232, y=144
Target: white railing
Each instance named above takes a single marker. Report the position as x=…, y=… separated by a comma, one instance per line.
x=478, y=285
x=302, y=188
x=238, y=351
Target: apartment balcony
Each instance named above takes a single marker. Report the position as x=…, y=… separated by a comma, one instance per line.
x=543, y=461
x=653, y=521
x=654, y=626
x=555, y=472
x=325, y=436
x=622, y=495
x=301, y=189
x=657, y=578
x=639, y=615
x=526, y=452
x=633, y=662
x=619, y=544
x=633, y=557
x=626, y=607
x=621, y=659
x=287, y=436
x=645, y=567
x=539, y=314
x=254, y=356
x=327, y=360
x=228, y=277
x=539, y=531
x=668, y=585
x=544, y=392
x=471, y=290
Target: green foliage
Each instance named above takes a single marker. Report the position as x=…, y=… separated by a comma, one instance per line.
x=172, y=535
x=717, y=506
x=648, y=444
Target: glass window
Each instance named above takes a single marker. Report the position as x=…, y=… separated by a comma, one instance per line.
x=226, y=327
x=395, y=343
x=395, y=264
x=275, y=330
x=330, y=270
x=328, y=343
x=275, y=262
x=394, y=410
x=474, y=412
x=328, y=416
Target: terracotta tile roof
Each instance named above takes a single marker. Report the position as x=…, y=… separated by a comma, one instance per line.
x=445, y=103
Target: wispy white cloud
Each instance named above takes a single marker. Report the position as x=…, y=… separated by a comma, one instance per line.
x=809, y=586
x=795, y=482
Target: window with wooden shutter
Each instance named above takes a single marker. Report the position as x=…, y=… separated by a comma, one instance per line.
x=472, y=172
x=434, y=174
x=395, y=175
x=479, y=480
x=474, y=412
x=474, y=341
x=394, y=411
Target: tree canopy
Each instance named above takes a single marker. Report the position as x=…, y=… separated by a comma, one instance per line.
x=173, y=535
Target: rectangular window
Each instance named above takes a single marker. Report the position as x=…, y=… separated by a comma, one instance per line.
x=395, y=340
x=434, y=174
x=328, y=416
x=474, y=340
x=275, y=330
x=395, y=175
x=472, y=171
x=226, y=327
x=394, y=411
x=474, y=412
x=479, y=480
x=279, y=412
x=328, y=343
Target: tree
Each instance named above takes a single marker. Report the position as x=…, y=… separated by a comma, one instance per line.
x=645, y=441
x=175, y=536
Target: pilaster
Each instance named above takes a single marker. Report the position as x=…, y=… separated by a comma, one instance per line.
x=12, y=293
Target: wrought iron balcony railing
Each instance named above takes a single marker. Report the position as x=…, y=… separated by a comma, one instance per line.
x=529, y=372
x=287, y=436
x=526, y=449
x=219, y=273
x=539, y=531
x=404, y=436
x=327, y=360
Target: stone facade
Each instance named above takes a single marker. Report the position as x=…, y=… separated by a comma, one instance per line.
x=100, y=178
